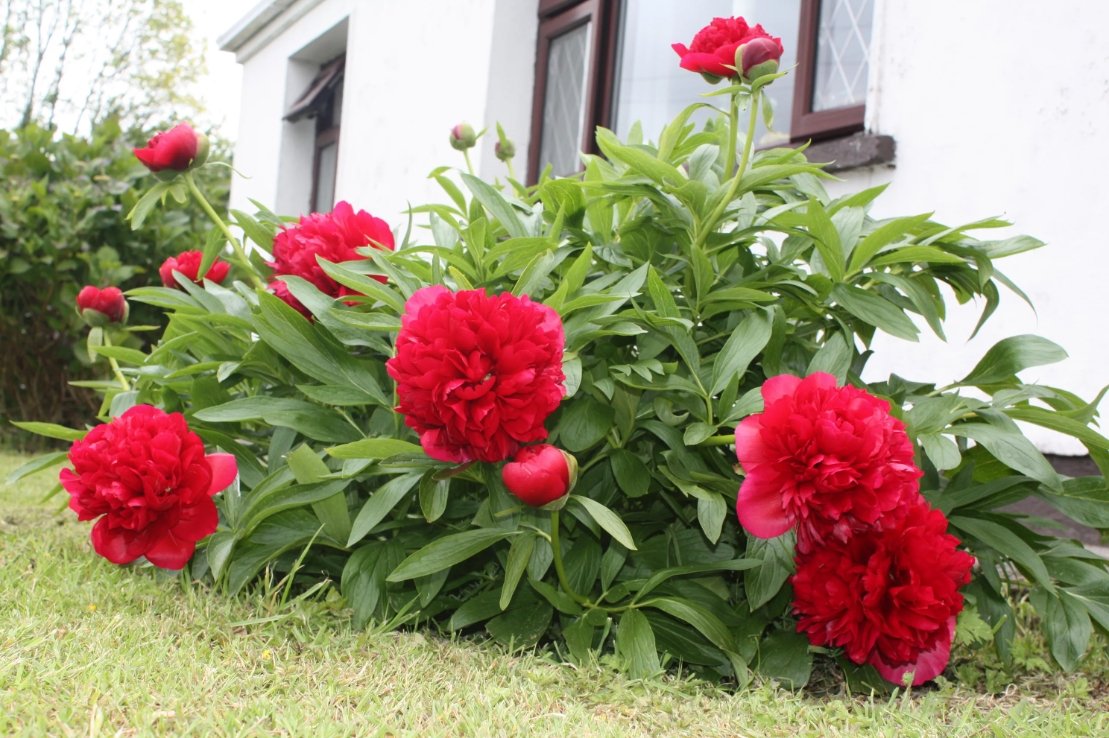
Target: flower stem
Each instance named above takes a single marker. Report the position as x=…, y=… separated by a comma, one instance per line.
x=115, y=366
x=240, y=254
x=511, y=170
x=724, y=440
x=559, y=568
x=469, y=164
x=710, y=223
x=733, y=134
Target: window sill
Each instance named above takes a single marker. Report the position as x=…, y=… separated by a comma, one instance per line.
x=853, y=152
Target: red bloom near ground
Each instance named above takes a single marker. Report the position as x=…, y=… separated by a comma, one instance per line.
x=175, y=149
x=147, y=478
x=823, y=458
x=188, y=263
x=333, y=236
x=713, y=48
x=888, y=595
x=477, y=375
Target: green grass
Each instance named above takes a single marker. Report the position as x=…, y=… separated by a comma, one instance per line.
x=89, y=648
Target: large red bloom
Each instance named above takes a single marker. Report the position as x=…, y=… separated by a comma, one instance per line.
x=477, y=375
x=713, y=48
x=888, y=595
x=824, y=458
x=333, y=236
x=188, y=263
x=146, y=473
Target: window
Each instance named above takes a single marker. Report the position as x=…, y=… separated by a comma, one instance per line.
x=323, y=101
x=609, y=63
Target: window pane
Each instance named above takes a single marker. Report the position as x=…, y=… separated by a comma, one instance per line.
x=652, y=88
x=564, y=106
x=328, y=159
x=842, y=53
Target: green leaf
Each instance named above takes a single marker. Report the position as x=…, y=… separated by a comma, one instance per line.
x=834, y=357
x=447, y=551
x=1008, y=544
x=827, y=240
x=882, y=236
x=747, y=340
x=700, y=618
x=1067, y=625
x=785, y=657
x=1012, y=448
x=313, y=421
x=519, y=554
x=875, y=310
x=50, y=430
x=635, y=641
x=494, y=202
x=584, y=423
x=380, y=504
x=1085, y=500
x=764, y=582
x=607, y=519
x=631, y=473
x=37, y=464
x=433, y=495
x=1058, y=422
x=712, y=510
x=1011, y=355
x=521, y=626
x=374, y=448
x=637, y=159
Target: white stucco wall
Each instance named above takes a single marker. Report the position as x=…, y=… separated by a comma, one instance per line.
x=996, y=106
x=413, y=70
x=999, y=108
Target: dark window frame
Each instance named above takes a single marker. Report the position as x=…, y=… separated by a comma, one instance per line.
x=559, y=16
x=807, y=123
x=322, y=101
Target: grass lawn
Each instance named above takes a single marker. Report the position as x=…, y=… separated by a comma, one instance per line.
x=88, y=648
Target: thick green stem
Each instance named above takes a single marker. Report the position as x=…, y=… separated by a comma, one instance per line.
x=115, y=367
x=240, y=254
x=511, y=171
x=710, y=223
x=469, y=164
x=560, y=569
x=733, y=135
x=725, y=440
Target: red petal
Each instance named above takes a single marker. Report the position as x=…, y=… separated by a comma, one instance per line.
x=779, y=386
x=759, y=508
x=224, y=468
x=196, y=521
x=118, y=545
x=928, y=665
x=170, y=552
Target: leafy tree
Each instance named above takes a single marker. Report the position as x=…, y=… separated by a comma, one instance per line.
x=70, y=64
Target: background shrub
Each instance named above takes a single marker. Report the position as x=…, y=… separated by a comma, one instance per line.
x=61, y=227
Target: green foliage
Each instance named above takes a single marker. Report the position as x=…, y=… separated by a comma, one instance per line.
x=61, y=228
x=681, y=288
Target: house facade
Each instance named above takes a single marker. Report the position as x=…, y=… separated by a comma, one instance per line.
x=965, y=109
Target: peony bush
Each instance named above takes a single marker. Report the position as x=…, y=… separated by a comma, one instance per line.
x=533, y=416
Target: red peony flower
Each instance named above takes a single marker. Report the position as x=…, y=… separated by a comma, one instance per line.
x=188, y=263
x=145, y=474
x=333, y=236
x=713, y=49
x=824, y=458
x=177, y=149
x=101, y=306
x=539, y=474
x=888, y=595
x=477, y=375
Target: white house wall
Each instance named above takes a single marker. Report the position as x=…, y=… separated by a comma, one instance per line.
x=997, y=108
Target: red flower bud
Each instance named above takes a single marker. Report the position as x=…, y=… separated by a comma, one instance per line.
x=177, y=150
x=188, y=263
x=463, y=137
x=101, y=306
x=541, y=474
x=758, y=57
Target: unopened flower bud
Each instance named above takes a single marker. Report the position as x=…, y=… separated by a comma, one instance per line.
x=174, y=151
x=539, y=475
x=463, y=137
x=504, y=150
x=99, y=307
x=758, y=57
